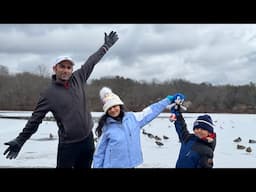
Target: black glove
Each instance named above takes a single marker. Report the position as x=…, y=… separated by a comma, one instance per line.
x=110, y=39
x=13, y=149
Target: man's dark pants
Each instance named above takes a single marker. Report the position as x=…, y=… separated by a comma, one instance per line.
x=76, y=155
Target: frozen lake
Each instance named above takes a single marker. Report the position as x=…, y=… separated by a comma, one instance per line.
x=38, y=151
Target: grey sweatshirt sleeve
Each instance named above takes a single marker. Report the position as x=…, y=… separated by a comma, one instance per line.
x=37, y=116
x=86, y=69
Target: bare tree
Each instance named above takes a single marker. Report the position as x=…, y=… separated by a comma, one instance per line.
x=4, y=71
x=43, y=70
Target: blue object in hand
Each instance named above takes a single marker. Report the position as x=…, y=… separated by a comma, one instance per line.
x=176, y=102
x=178, y=98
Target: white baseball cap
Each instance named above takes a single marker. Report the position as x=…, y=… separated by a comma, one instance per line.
x=64, y=58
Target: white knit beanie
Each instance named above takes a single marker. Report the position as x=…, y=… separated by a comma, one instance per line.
x=109, y=99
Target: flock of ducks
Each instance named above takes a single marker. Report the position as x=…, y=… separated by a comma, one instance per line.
x=157, y=138
x=239, y=146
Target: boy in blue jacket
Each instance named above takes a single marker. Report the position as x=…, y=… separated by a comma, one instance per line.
x=197, y=149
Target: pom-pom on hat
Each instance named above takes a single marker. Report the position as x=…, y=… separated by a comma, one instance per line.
x=109, y=99
x=204, y=122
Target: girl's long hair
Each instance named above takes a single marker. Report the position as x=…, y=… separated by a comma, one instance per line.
x=101, y=123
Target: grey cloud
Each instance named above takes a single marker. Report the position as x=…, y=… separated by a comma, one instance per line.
x=197, y=52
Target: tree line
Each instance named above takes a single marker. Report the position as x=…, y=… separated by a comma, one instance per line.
x=21, y=91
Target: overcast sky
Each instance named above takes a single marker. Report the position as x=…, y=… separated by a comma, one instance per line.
x=213, y=53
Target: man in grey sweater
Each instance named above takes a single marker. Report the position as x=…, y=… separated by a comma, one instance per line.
x=66, y=99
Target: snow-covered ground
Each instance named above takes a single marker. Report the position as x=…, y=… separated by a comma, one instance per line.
x=39, y=151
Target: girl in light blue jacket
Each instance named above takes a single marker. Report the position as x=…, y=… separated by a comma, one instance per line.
x=119, y=132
